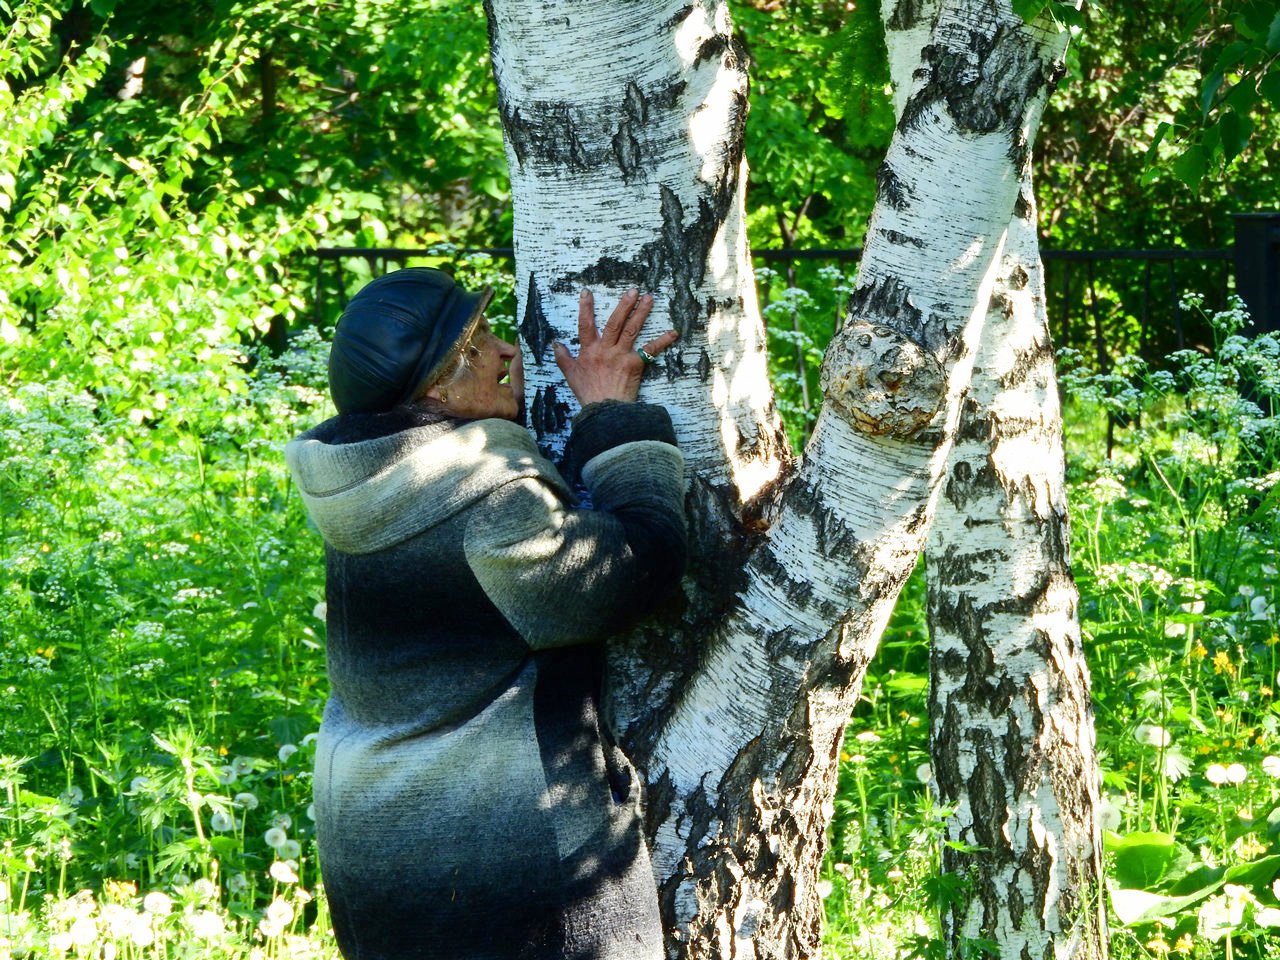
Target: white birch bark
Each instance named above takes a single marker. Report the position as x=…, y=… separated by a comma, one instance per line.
x=1012, y=737
x=738, y=737
x=1011, y=722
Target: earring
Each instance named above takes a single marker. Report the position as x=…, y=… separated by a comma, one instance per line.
x=444, y=396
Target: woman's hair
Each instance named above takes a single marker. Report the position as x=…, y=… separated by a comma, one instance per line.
x=450, y=376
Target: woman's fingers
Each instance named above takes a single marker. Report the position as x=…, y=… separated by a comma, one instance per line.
x=618, y=319
x=660, y=343
x=631, y=328
x=586, y=318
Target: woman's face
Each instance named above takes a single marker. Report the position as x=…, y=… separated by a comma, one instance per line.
x=492, y=384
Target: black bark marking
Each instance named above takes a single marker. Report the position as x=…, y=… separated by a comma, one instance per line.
x=704, y=365
x=626, y=145
x=986, y=81
x=1018, y=278
x=548, y=413
x=1024, y=208
x=902, y=239
x=675, y=366
x=906, y=14
x=534, y=328
x=891, y=189
x=678, y=18
x=545, y=132
x=734, y=55
x=888, y=303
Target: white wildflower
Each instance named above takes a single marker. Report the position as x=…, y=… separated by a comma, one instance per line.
x=1152, y=735
x=142, y=935
x=275, y=837
x=291, y=849
x=269, y=928
x=204, y=888
x=83, y=932
x=221, y=821
x=61, y=942
x=237, y=883
x=1271, y=766
x=73, y=796
x=824, y=888
x=157, y=904
x=281, y=820
x=1216, y=774
x=282, y=872
x=246, y=801
x=1237, y=774
x=286, y=751
x=1109, y=815
x=320, y=611
x=924, y=773
x=206, y=924
x=280, y=911
x=868, y=736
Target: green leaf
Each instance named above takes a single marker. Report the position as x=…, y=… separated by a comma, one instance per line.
x=1273, y=35
x=1236, y=131
x=1145, y=860
x=1270, y=87
x=102, y=8
x=1190, y=167
x=1209, y=92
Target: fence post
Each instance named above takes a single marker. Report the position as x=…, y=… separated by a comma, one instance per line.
x=1257, y=256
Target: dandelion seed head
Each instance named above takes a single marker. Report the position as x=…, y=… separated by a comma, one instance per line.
x=246, y=801
x=275, y=838
x=1237, y=774
x=282, y=872
x=291, y=849
x=204, y=888
x=286, y=751
x=157, y=904
x=281, y=820
x=1216, y=774
x=221, y=821
x=206, y=925
x=227, y=775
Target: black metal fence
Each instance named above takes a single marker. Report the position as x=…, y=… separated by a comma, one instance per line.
x=1103, y=303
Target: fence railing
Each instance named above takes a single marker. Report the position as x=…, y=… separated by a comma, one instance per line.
x=1104, y=303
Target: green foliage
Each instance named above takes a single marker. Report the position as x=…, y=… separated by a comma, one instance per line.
x=820, y=119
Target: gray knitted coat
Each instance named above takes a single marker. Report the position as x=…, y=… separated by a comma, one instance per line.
x=466, y=805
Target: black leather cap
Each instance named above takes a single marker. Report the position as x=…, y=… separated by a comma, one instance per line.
x=401, y=332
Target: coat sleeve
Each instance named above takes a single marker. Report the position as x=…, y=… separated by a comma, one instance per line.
x=563, y=575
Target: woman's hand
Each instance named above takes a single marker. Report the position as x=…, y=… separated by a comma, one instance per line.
x=607, y=366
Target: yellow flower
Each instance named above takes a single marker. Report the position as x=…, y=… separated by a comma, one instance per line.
x=222, y=751
x=1158, y=945
x=121, y=889
x=1198, y=652
x=1264, y=691
x=45, y=548
x=1204, y=748
x=1273, y=640
x=1184, y=944
x=1222, y=663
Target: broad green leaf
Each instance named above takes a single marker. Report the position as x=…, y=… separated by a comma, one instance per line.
x=1146, y=860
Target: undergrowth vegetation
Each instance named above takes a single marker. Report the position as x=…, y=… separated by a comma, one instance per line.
x=161, y=644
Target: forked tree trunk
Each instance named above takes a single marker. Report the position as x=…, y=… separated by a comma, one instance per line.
x=624, y=134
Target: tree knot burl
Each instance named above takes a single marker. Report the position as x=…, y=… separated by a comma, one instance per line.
x=883, y=383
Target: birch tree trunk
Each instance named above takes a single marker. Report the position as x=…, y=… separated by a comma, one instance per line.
x=1011, y=729
x=624, y=135
x=1011, y=721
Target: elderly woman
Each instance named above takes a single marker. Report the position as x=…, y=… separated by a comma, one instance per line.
x=467, y=804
